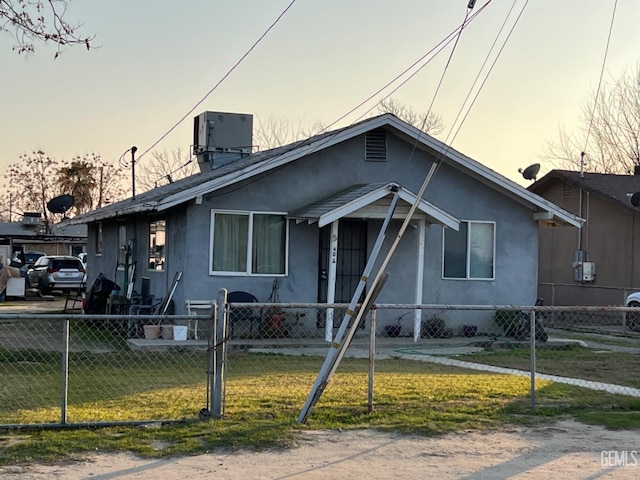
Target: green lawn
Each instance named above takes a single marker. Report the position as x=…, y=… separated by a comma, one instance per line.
x=575, y=362
x=265, y=394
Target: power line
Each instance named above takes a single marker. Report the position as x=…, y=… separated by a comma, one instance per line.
x=224, y=77
x=434, y=51
x=604, y=61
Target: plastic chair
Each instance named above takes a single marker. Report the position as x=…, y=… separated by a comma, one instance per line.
x=243, y=314
x=193, y=306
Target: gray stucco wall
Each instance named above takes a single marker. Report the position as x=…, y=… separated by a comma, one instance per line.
x=322, y=174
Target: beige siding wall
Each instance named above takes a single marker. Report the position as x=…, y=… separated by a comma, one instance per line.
x=611, y=237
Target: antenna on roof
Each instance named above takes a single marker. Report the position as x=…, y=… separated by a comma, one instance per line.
x=530, y=172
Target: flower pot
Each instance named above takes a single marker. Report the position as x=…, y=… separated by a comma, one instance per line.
x=275, y=321
x=167, y=332
x=152, y=332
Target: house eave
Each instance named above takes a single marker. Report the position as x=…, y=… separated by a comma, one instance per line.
x=108, y=214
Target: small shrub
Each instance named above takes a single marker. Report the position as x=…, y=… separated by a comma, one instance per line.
x=435, y=327
x=508, y=321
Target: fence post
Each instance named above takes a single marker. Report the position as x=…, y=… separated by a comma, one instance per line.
x=532, y=356
x=219, y=355
x=211, y=363
x=65, y=371
x=372, y=355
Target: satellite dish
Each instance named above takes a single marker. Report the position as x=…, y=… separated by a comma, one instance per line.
x=60, y=204
x=530, y=172
x=635, y=199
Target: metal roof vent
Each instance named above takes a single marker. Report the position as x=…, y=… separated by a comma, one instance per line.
x=375, y=145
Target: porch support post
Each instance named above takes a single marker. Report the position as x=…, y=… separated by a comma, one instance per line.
x=419, y=279
x=331, y=280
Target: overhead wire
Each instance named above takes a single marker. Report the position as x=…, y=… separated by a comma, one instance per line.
x=450, y=139
x=432, y=53
x=429, y=56
x=604, y=61
x=222, y=79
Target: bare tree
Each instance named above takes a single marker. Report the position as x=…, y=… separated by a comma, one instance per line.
x=37, y=178
x=274, y=132
x=30, y=183
x=165, y=168
x=33, y=21
x=428, y=122
x=610, y=131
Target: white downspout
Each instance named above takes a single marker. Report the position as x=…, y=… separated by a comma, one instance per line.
x=417, y=318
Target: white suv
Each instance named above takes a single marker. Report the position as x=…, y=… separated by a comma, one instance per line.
x=633, y=319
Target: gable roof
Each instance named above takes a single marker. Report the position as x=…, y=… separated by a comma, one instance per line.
x=370, y=198
x=187, y=189
x=613, y=188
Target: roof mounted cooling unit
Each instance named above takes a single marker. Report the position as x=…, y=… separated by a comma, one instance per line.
x=220, y=138
x=31, y=218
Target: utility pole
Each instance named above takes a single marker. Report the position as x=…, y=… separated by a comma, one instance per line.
x=133, y=171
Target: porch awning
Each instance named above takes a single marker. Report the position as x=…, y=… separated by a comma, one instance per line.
x=371, y=201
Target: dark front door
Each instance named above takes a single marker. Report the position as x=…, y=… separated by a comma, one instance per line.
x=350, y=262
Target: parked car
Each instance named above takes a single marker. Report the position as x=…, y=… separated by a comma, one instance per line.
x=24, y=260
x=56, y=272
x=633, y=319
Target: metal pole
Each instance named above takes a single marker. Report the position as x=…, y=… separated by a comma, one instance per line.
x=220, y=356
x=372, y=355
x=333, y=356
x=532, y=358
x=337, y=349
x=65, y=371
x=133, y=171
x=211, y=375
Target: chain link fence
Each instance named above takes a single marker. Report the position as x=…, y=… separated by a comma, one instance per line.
x=276, y=352
x=99, y=370
x=102, y=370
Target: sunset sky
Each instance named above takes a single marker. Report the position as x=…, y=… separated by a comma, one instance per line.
x=156, y=60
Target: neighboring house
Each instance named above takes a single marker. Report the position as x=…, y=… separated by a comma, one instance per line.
x=29, y=235
x=293, y=213
x=600, y=263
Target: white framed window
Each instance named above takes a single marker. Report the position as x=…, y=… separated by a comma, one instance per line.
x=122, y=246
x=248, y=243
x=157, y=244
x=469, y=253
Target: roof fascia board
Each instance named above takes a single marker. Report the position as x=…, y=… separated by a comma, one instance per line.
x=269, y=164
x=494, y=179
x=490, y=177
x=349, y=208
x=129, y=210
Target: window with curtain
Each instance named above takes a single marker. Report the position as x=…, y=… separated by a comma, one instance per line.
x=469, y=253
x=248, y=243
x=157, y=244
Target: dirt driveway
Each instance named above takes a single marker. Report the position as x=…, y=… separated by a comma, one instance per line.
x=34, y=303
x=564, y=450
